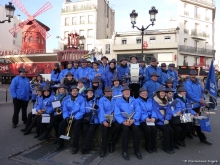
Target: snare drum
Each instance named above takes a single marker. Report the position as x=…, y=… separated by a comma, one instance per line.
x=185, y=118
x=196, y=120
x=134, y=73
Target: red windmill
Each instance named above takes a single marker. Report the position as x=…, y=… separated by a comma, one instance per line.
x=32, y=26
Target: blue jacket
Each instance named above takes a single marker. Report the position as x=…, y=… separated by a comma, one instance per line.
x=106, y=107
x=33, y=96
x=77, y=107
x=173, y=76
x=182, y=105
x=103, y=68
x=98, y=93
x=109, y=77
x=165, y=75
x=142, y=73
x=117, y=90
x=151, y=87
x=94, y=113
x=20, y=88
x=55, y=77
x=38, y=100
x=65, y=71
x=94, y=72
x=83, y=73
x=47, y=105
x=146, y=109
x=122, y=106
x=194, y=92
x=157, y=107
x=121, y=71
x=149, y=72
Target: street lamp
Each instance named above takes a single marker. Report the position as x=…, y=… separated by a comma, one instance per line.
x=153, y=12
x=81, y=42
x=9, y=9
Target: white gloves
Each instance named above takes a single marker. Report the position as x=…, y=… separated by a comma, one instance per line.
x=166, y=122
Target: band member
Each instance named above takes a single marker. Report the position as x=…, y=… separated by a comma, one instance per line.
x=117, y=88
x=81, y=87
x=195, y=94
x=164, y=115
x=89, y=64
x=91, y=121
x=128, y=104
x=73, y=108
x=180, y=107
x=83, y=72
x=97, y=91
x=142, y=71
x=164, y=70
x=75, y=66
x=106, y=106
x=55, y=74
x=147, y=115
x=65, y=71
x=31, y=116
x=20, y=92
x=110, y=73
x=169, y=84
x=172, y=74
x=186, y=79
x=57, y=118
x=104, y=64
x=122, y=70
x=69, y=81
x=152, y=85
x=153, y=68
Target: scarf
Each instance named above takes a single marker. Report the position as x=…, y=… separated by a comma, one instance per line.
x=94, y=87
x=61, y=96
x=89, y=99
x=164, y=71
x=126, y=99
x=44, y=97
x=69, y=82
x=112, y=69
x=57, y=70
x=109, y=98
x=73, y=98
x=155, y=67
x=81, y=89
x=143, y=98
x=124, y=66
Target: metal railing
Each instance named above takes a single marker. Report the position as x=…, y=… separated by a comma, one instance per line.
x=4, y=93
x=206, y=2
x=19, y=52
x=186, y=31
x=196, y=50
x=199, y=33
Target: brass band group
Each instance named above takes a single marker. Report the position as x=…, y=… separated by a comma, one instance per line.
x=123, y=98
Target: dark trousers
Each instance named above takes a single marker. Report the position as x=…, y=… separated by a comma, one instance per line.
x=77, y=127
x=54, y=123
x=89, y=136
x=114, y=130
x=167, y=136
x=134, y=89
x=125, y=137
x=40, y=126
x=29, y=120
x=180, y=131
x=33, y=123
x=85, y=127
x=200, y=134
x=150, y=135
x=19, y=104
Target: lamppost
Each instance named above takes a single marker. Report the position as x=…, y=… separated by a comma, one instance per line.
x=9, y=9
x=81, y=42
x=133, y=17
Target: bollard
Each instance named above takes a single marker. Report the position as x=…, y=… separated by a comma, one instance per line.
x=6, y=96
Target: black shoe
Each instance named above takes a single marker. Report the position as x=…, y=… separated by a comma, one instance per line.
x=102, y=152
x=24, y=122
x=59, y=147
x=175, y=146
x=74, y=150
x=172, y=150
x=84, y=151
x=168, y=151
x=125, y=156
x=36, y=136
x=155, y=150
x=27, y=132
x=181, y=144
x=14, y=125
x=194, y=134
x=111, y=147
x=149, y=151
x=138, y=155
x=43, y=136
x=206, y=142
x=23, y=130
x=190, y=136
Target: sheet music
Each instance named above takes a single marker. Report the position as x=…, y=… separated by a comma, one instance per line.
x=56, y=104
x=45, y=118
x=150, y=123
x=33, y=111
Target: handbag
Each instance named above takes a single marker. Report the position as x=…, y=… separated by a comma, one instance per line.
x=205, y=125
x=176, y=120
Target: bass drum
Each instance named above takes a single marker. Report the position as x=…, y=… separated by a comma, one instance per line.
x=134, y=73
x=196, y=120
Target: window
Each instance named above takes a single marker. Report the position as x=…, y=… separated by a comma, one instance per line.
x=73, y=20
x=185, y=41
x=195, y=60
x=167, y=38
x=152, y=39
x=82, y=19
x=67, y=21
x=81, y=33
x=25, y=39
x=124, y=41
x=195, y=44
x=42, y=41
x=37, y=40
x=66, y=34
x=90, y=19
x=89, y=47
x=90, y=33
x=138, y=40
x=107, y=49
x=31, y=39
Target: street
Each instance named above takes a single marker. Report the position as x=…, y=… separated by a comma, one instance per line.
x=19, y=149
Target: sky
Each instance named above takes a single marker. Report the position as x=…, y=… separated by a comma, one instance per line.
x=122, y=8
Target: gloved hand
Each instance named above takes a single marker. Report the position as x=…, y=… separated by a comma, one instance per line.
x=96, y=106
x=67, y=119
x=166, y=122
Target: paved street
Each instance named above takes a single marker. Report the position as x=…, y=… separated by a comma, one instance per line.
x=19, y=149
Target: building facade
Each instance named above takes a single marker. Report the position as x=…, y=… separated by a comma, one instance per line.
x=93, y=19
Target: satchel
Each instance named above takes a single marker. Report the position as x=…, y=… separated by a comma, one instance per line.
x=175, y=120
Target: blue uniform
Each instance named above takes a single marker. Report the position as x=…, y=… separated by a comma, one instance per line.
x=123, y=106
x=92, y=74
x=109, y=76
x=94, y=113
x=62, y=98
x=103, y=68
x=98, y=93
x=106, y=107
x=181, y=106
x=20, y=88
x=83, y=73
x=157, y=107
x=38, y=100
x=117, y=90
x=173, y=76
x=65, y=71
x=46, y=104
x=165, y=75
x=122, y=71
x=151, y=87
x=55, y=77
x=33, y=96
x=150, y=70
x=146, y=109
x=76, y=107
x=194, y=92
x=142, y=74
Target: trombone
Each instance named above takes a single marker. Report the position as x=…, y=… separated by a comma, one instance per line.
x=68, y=128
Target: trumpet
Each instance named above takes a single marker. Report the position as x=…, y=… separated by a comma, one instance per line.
x=130, y=117
x=68, y=129
x=58, y=111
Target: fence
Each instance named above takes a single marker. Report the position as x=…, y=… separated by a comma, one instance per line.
x=5, y=94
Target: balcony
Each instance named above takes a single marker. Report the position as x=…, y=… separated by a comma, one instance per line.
x=196, y=51
x=186, y=31
x=197, y=16
x=206, y=2
x=186, y=13
x=199, y=34
x=207, y=18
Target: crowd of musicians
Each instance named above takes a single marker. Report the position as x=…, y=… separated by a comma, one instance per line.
x=88, y=92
